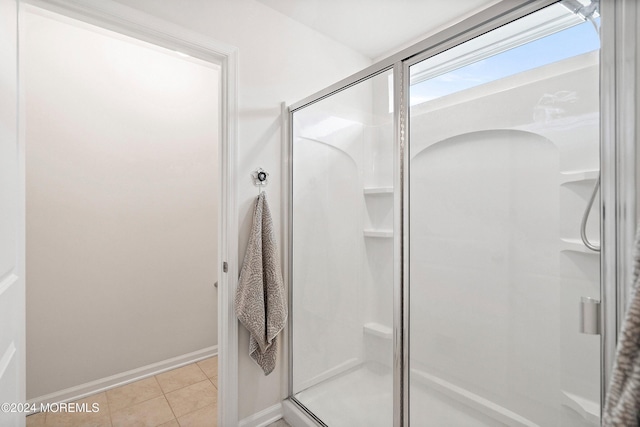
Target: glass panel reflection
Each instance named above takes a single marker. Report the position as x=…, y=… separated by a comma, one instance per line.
x=343, y=256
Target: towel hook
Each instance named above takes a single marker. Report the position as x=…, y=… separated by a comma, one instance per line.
x=260, y=177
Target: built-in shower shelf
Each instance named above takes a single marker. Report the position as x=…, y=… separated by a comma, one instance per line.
x=578, y=175
x=378, y=233
x=378, y=190
x=576, y=245
x=378, y=330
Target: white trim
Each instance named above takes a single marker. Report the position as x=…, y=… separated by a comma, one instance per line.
x=139, y=25
x=264, y=417
x=284, y=255
x=87, y=389
x=227, y=233
x=131, y=22
x=21, y=256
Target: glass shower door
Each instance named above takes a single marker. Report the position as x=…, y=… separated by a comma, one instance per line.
x=503, y=158
x=342, y=256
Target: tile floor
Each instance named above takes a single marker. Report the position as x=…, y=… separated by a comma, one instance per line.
x=183, y=397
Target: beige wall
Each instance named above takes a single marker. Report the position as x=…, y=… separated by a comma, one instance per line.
x=122, y=204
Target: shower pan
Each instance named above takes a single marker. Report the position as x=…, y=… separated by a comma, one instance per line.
x=437, y=271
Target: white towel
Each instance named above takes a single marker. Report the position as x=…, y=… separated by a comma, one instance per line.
x=622, y=408
x=260, y=301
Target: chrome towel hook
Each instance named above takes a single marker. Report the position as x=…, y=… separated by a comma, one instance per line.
x=260, y=178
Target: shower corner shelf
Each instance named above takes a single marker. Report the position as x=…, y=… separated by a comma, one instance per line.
x=378, y=190
x=378, y=233
x=378, y=330
x=578, y=176
x=576, y=245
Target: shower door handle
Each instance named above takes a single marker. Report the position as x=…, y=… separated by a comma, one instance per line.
x=589, y=316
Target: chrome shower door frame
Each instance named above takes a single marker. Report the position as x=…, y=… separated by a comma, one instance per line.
x=618, y=168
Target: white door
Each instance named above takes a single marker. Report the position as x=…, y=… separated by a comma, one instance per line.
x=12, y=290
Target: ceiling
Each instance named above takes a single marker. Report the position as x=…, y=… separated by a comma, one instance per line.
x=375, y=28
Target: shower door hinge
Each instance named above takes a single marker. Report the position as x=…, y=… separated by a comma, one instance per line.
x=589, y=316
x=225, y=267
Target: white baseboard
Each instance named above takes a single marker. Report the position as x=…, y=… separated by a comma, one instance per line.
x=117, y=380
x=264, y=417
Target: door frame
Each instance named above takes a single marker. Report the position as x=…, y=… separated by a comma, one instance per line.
x=142, y=26
x=12, y=226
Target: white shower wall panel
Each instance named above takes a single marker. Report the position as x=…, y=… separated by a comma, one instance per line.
x=378, y=154
x=522, y=102
x=343, y=227
x=379, y=169
x=494, y=289
x=327, y=327
x=480, y=297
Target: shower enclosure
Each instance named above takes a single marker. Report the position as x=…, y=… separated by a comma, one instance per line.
x=437, y=271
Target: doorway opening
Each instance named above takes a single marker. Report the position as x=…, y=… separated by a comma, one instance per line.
x=127, y=174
